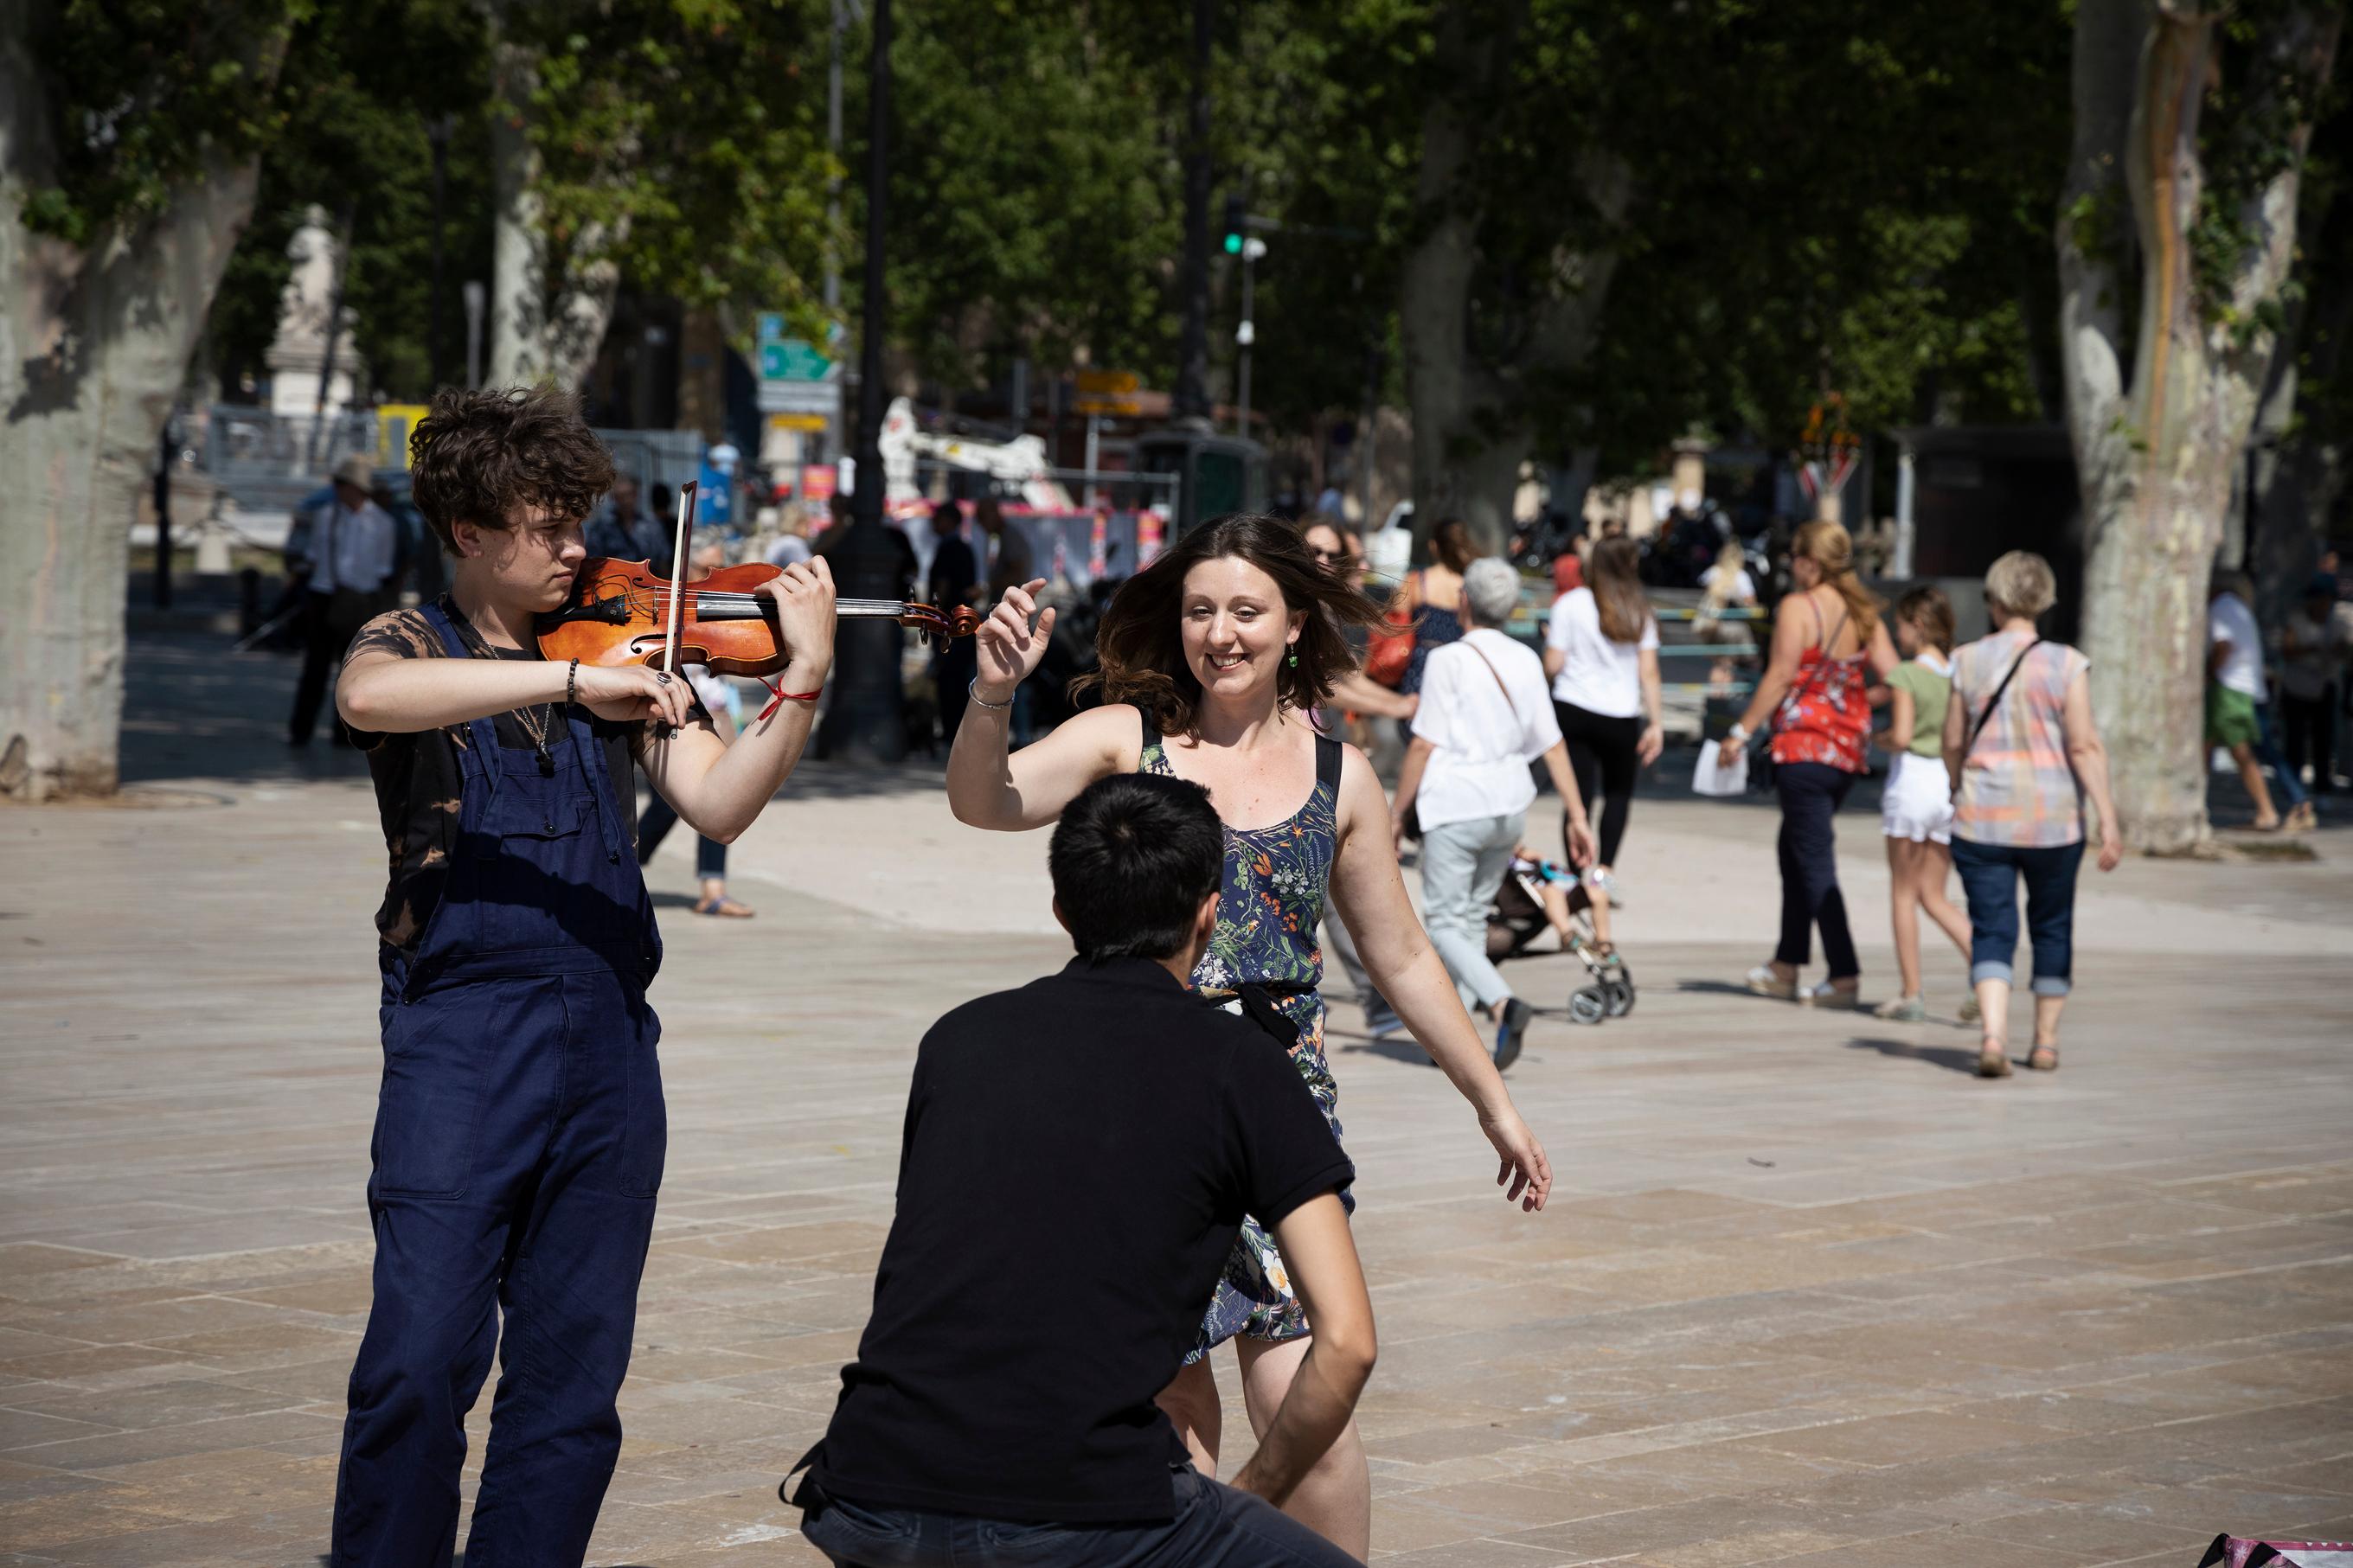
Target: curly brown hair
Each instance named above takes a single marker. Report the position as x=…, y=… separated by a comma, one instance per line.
x=1141, y=642
x=477, y=456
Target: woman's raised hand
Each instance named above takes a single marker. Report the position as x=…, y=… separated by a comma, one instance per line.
x=1009, y=646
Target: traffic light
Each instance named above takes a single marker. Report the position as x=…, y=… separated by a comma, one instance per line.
x=1234, y=213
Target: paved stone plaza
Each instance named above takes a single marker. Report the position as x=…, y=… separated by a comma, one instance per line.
x=1807, y=1292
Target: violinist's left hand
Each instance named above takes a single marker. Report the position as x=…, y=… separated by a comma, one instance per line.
x=803, y=594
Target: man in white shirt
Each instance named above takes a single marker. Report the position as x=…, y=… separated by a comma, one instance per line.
x=2238, y=706
x=348, y=565
x=1484, y=716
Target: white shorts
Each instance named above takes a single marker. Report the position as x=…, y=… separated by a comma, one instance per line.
x=1917, y=802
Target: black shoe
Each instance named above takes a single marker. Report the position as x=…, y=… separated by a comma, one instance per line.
x=1512, y=1032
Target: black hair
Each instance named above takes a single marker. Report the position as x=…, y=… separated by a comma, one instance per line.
x=1132, y=859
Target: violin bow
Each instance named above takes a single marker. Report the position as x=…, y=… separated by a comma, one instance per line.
x=684, y=541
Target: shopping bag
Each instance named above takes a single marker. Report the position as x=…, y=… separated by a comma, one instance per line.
x=1712, y=777
x=2230, y=1551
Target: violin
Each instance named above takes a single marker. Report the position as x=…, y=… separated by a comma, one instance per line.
x=620, y=613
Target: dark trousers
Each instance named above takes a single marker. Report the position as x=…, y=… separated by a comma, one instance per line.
x=1604, y=754
x=1810, y=795
x=330, y=622
x=519, y=1143
x=957, y=664
x=2287, y=784
x=1990, y=877
x=1215, y=1527
x=2311, y=726
x=709, y=855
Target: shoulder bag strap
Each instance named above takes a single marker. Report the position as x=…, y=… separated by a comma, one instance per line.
x=1499, y=678
x=1976, y=726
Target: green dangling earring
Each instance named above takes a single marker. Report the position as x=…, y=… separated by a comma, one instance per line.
x=1291, y=660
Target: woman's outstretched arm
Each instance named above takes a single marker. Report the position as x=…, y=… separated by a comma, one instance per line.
x=988, y=786
x=1371, y=900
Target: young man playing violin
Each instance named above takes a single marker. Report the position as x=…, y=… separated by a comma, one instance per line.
x=519, y=1129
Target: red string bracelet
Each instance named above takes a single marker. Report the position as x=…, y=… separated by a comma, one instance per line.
x=777, y=694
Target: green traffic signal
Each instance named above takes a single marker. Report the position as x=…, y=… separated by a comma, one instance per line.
x=1233, y=245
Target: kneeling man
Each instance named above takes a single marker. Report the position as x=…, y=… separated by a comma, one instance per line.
x=1077, y=1158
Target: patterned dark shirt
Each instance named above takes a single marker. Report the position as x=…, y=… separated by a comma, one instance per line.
x=417, y=777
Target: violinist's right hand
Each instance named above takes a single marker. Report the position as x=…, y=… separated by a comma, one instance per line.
x=629, y=692
x=1009, y=646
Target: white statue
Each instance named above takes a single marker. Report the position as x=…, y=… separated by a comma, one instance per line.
x=298, y=356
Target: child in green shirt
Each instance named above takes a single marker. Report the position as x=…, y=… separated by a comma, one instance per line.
x=1916, y=810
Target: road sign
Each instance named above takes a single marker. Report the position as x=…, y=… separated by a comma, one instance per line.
x=1107, y=393
x=796, y=421
x=794, y=359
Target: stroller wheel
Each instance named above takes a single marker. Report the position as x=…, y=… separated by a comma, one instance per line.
x=1588, y=1005
x=1619, y=989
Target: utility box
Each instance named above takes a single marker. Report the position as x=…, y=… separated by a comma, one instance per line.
x=1215, y=474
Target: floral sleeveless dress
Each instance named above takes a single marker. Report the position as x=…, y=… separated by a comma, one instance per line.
x=1268, y=914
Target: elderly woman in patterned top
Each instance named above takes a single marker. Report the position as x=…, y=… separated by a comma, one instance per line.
x=2023, y=753
x=1212, y=657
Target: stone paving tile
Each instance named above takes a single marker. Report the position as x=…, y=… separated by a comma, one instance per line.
x=1804, y=1293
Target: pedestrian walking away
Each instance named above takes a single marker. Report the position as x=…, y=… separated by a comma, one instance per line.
x=351, y=549
x=1483, y=719
x=1432, y=597
x=1827, y=639
x=1916, y=807
x=519, y=1129
x=1211, y=658
x=2239, y=710
x=974, y=1428
x=2313, y=642
x=2023, y=754
x=1601, y=650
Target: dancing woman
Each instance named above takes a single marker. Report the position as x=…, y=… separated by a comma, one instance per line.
x=1211, y=659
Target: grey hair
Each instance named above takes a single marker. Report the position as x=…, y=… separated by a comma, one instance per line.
x=1491, y=591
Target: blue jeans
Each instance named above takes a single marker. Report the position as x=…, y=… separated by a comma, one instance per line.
x=1215, y=1527
x=1990, y=877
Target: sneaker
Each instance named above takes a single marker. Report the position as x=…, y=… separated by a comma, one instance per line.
x=1511, y=1033
x=1763, y=982
x=1902, y=1010
x=1831, y=997
x=1382, y=1022
x=1970, y=1011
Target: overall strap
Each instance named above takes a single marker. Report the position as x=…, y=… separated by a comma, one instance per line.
x=589, y=757
x=486, y=735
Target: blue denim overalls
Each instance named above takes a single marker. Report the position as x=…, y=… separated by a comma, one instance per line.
x=519, y=1141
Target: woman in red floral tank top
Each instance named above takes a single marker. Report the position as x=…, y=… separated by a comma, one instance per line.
x=1828, y=639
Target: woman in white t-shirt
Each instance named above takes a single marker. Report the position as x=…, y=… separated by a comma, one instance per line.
x=1483, y=719
x=1601, y=650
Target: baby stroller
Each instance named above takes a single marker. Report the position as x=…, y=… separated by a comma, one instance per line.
x=1518, y=916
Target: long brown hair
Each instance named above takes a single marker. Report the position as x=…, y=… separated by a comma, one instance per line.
x=1141, y=642
x=1830, y=548
x=1614, y=576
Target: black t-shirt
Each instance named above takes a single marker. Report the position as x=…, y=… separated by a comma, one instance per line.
x=418, y=782
x=1077, y=1158
x=954, y=574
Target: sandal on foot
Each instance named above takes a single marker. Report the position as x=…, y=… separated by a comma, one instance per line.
x=1838, y=998
x=1902, y=1010
x=725, y=907
x=2043, y=1058
x=1762, y=981
x=1993, y=1059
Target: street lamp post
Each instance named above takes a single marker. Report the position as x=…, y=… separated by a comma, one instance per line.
x=863, y=720
x=1246, y=333
x=1192, y=398
x=438, y=129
